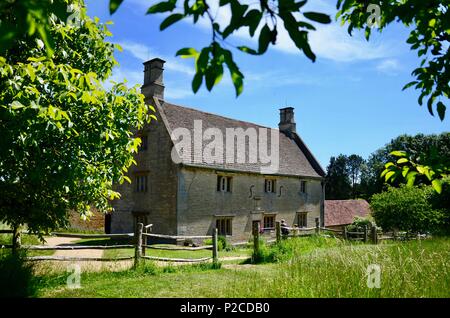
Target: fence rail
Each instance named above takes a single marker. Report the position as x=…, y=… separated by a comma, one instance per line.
x=169, y=259
x=84, y=236
x=74, y=247
x=77, y=259
x=138, y=246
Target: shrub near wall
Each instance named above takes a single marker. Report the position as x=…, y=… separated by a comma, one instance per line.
x=407, y=209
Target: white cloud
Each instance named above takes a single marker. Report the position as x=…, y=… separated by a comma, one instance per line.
x=144, y=53
x=333, y=42
x=330, y=42
x=133, y=78
x=389, y=66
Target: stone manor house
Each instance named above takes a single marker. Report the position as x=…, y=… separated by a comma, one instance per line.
x=191, y=197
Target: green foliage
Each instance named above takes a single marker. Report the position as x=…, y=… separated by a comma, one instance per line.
x=66, y=139
x=222, y=243
x=408, y=209
x=420, y=148
x=359, y=223
x=211, y=60
x=434, y=168
x=16, y=276
x=290, y=248
x=429, y=36
x=32, y=18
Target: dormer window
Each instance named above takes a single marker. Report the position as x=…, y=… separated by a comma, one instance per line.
x=224, y=183
x=269, y=185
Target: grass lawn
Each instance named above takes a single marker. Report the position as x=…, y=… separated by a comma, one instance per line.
x=305, y=267
x=124, y=252
x=177, y=253
x=26, y=239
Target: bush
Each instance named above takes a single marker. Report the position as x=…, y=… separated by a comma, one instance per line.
x=407, y=209
x=359, y=223
x=16, y=276
x=222, y=243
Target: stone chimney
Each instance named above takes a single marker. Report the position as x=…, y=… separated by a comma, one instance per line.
x=287, y=122
x=153, y=78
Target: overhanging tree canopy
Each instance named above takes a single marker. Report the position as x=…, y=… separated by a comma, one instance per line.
x=65, y=138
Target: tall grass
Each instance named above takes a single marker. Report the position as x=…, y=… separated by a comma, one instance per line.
x=290, y=248
x=411, y=269
x=16, y=276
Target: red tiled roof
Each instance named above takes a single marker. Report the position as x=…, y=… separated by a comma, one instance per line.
x=340, y=212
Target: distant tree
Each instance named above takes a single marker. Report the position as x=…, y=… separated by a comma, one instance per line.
x=65, y=138
x=355, y=166
x=338, y=184
x=427, y=150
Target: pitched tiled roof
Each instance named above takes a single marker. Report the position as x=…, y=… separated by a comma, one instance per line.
x=340, y=212
x=295, y=158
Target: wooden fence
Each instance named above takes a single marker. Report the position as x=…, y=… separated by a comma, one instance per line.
x=139, y=237
x=365, y=235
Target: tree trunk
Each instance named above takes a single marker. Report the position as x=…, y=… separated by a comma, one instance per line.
x=16, y=239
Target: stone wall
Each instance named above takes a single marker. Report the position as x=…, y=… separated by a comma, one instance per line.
x=200, y=204
x=159, y=202
x=95, y=223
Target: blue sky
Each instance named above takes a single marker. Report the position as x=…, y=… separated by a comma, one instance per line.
x=348, y=101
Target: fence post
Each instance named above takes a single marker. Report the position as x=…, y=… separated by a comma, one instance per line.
x=215, y=247
x=317, y=226
x=374, y=235
x=138, y=249
x=144, y=240
x=345, y=233
x=278, y=231
x=365, y=234
x=255, y=230
x=16, y=239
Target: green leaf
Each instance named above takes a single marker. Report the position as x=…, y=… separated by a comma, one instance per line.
x=16, y=105
x=197, y=81
x=411, y=178
x=247, y=50
x=389, y=175
x=398, y=153
x=441, y=110
x=264, y=39
x=114, y=5
x=437, y=185
x=318, y=17
x=421, y=169
x=389, y=164
x=402, y=160
x=162, y=7
x=203, y=58
x=171, y=19
x=187, y=52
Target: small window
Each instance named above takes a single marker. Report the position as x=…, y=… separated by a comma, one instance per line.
x=303, y=186
x=144, y=143
x=224, y=183
x=224, y=226
x=141, y=183
x=269, y=222
x=270, y=185
x=302, y=219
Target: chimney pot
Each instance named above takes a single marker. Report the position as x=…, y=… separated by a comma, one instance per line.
x=153, y=78
x=287, y=123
